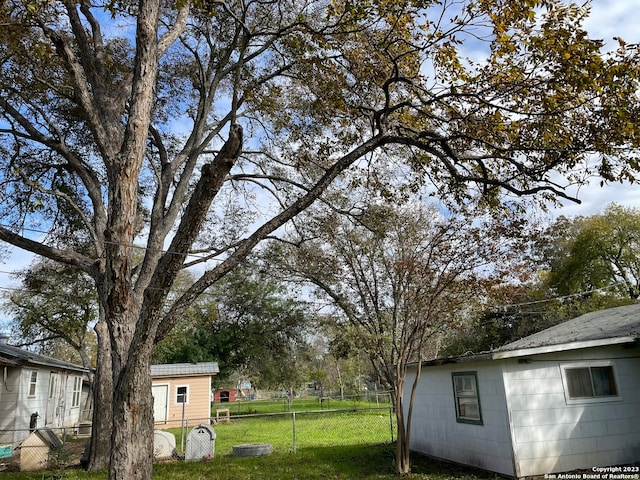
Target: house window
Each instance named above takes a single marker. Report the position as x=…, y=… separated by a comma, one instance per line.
x=590, y=382
x=465, y=391
x=52, y=386
x=182, y=394
x=77, y=390
x=33, y=381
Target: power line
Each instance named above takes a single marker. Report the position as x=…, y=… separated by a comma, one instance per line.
x=564, y=297
x=72, y=295
x=133, y=245
x=209, y=258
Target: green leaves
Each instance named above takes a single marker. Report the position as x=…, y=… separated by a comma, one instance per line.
x=55, y=311
x=249, y=324
x=596, y=252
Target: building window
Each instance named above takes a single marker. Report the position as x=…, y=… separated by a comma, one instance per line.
x=465, y=391
x=182, y=394
x=77, y=390
x=33, y=382
x=590, y=382
x=52, y=386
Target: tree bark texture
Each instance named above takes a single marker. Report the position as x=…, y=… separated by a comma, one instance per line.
x=403, y=460
x=100, y=446
x=114, y=107
x=132, y=429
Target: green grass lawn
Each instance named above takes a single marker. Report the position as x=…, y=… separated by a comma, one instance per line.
x=345, y=444
x=356, y=462
x=280, y=405
x=307, y=429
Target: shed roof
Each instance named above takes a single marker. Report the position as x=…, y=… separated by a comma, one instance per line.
x=185, y=369
x=612, y=326
x=15, y=356
x=602, y=327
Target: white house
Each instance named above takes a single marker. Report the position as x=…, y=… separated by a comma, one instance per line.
x=563, y=399
x=35, y=392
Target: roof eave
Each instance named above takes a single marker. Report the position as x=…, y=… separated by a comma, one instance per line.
x=450, y=360
x=525, y=352
x=561, y=347
x=176, y=375
x=31, y=363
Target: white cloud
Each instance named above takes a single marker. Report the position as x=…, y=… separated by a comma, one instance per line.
x=594, y=198
x=617, y=18
x=608, y=19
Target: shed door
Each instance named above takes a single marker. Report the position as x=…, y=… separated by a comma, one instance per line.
x=160, y=402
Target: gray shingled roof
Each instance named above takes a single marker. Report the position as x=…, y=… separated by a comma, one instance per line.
x=15, y=356
x=603, y=327
x=184, y=369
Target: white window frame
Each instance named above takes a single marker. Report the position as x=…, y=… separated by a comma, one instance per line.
x=77, y=392
x=33, y=384
x=175, y=397
x=585, y=400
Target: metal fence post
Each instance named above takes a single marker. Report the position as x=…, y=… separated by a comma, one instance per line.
x=184, y=429
x=295, y=446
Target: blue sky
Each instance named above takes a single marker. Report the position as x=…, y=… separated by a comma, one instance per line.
x=609, y=18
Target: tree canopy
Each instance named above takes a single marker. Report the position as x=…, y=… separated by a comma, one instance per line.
x=582, y=254
x=193, y=131
x=400, y=277
x=54, y=312
x=247, y=323
x=578, y=265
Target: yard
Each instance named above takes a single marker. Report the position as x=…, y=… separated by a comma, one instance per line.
x=355, y=462
x=288, y=432
x=350, y=442
x=306, y=403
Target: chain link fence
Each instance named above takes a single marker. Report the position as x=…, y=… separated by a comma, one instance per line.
x=42, y=449
x=290, y=431
x=285, y=432
x=327, y=400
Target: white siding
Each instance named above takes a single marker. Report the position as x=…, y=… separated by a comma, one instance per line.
x=435, y=431
x=17, y=406
x=9, y=394
x=28, y=405
x=551, y=434
x=65, y=415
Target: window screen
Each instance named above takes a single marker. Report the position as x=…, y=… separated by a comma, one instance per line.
x=465, y=390
x=181, y=395
x=588, y=382
x=33, y=382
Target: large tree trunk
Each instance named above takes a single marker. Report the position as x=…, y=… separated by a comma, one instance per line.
x=132, y=405
x=102, y=417
x=132, y=428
